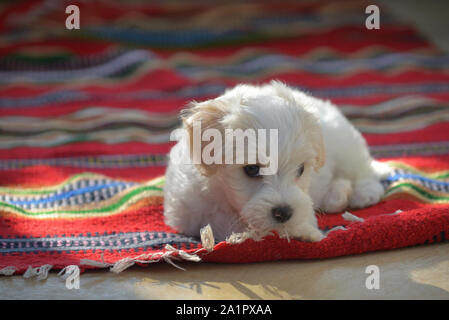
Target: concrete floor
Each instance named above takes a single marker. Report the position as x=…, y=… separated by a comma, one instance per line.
x=410, y=273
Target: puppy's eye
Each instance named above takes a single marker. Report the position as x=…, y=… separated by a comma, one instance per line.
x=252, y=170
x=301, y=170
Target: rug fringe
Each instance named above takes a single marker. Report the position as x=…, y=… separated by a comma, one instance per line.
x=8, y=271
x=168, y=256
x=40, y=272
x=68, y=271
x=207, y=238
x=123, y=264
x=72, y=271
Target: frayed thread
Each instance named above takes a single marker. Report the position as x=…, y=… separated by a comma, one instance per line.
x=335, y=229
x=393, y=213
x=351, y=217
x=40, y=272
x=256, y=235
x=8, y=271
x=94, y=263
x=284, y=235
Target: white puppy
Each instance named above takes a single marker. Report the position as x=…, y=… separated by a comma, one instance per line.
x=323, y=164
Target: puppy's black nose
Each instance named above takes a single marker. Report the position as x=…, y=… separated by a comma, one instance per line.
x=281, y=214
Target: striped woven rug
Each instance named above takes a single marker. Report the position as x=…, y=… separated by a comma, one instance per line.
x=85, y=118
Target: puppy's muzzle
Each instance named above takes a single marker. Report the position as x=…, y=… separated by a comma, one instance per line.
x=282, y=214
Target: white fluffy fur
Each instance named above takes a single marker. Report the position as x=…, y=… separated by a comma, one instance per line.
x=339, y=171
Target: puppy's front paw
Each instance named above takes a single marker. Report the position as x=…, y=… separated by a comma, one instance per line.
x=366, y=193
x=337, y=197
x=308, y=233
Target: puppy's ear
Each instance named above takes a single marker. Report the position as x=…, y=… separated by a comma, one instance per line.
x=208, y=114
x=313, y=127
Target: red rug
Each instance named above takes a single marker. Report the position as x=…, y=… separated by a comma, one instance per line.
x=85, y=118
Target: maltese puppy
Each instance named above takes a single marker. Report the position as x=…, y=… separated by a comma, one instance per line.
x=319, y=162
